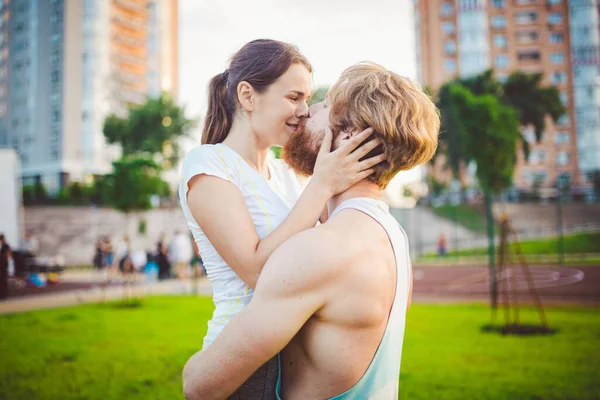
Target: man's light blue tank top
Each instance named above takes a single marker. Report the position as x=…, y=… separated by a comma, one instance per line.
x=380, y=380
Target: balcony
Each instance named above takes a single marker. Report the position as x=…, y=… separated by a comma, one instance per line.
x=135, y=23
x=139, y=6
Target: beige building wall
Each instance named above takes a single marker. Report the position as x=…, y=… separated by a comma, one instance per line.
x=527, y=41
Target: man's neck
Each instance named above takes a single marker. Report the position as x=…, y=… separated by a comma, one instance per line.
x=363, y=188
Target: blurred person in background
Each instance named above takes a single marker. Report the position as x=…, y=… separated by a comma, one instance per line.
x=239, y=204
x=30, y=244
x=181, y=255
x=5, y=257
x=162, y=258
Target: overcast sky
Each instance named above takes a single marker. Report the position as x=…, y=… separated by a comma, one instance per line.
x=333, y=34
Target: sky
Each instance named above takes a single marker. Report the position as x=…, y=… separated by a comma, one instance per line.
x=332, y=34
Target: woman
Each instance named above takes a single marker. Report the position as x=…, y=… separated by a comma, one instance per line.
x=241, y=207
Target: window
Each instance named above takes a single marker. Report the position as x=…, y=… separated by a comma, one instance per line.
x=447, y=9
x=501, y=61
x=556, y=38
x=500, y=41
x=529, y=55
x=554, y=18
x=564, y=98
x=537, y=156
x=55, y=115
x=54, y=77
x=498, y=3
x=450, y=47
x=525, y=2
x=448, y=27
x=562, y=138
x=563, y=180
x=450, y=65
x=559, y=77
x=526, y=17
x=527, y=36
x=557, y=58
x=502, y=78
x=498, y=21
x=553, y=2
x=563, y=120
x=562, y=158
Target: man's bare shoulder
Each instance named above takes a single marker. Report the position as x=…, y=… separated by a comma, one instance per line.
x=310, y=258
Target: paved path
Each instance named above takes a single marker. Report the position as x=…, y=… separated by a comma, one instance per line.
x=555, y=285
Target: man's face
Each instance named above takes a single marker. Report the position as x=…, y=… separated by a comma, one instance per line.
x=301, y=150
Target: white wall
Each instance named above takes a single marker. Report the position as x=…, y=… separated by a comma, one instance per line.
x=10, y=196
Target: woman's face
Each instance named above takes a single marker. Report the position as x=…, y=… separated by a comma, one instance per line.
x=280, y=111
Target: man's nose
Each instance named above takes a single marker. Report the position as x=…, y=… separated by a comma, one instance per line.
x=303, y=110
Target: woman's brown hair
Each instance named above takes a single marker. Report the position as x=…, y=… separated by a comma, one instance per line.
x=260, y=63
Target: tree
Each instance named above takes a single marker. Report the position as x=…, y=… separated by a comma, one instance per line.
x=152, y=127
x=134, y=180
x=318, y=95
x=491, y=132
x=533, y=102
x=521, y=91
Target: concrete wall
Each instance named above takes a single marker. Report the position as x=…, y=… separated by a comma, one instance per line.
x=72, y=231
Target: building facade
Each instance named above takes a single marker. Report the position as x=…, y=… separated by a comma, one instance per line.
x=466, y=37
x=65, y=65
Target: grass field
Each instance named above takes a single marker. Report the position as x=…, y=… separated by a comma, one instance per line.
x=464, y=215
x=112, y=352
x=574, y=245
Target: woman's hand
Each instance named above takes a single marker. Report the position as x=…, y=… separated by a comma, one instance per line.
x=340, y=169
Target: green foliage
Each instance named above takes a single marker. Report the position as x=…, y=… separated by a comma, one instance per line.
x=318, y=95
x=134, y=180
x=463, y=214
x=436, y=186
x=523, y=92
x=142, y=226
x=276, y=151
x=533, y=102
x=152, y=127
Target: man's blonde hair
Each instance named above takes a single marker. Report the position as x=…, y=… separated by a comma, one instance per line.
x=402, y=115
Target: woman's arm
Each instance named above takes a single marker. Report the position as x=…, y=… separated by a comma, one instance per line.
x=219, y=208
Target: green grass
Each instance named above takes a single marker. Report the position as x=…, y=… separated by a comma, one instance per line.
x=107, y=352
x=580, y=243
x=464, y=215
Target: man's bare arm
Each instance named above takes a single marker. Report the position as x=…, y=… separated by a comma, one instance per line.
x=292, y=287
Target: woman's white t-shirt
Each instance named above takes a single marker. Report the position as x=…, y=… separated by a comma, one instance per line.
x=269, y=203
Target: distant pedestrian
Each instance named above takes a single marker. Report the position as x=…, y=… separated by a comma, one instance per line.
x=181, y=252
x=30, y=245
x=162, y=258
x=442, y=246
x=5, y=256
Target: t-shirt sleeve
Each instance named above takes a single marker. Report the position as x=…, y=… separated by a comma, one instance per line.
x=208, y=160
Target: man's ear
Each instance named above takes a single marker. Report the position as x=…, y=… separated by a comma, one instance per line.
x=245, y=95
x=347, y=135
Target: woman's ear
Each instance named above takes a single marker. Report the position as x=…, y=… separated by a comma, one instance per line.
x=245, y=94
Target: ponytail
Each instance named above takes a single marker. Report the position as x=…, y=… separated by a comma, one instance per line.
x=218, y=117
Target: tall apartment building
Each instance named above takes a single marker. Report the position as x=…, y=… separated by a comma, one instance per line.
x=466, y=37
x=65, y=65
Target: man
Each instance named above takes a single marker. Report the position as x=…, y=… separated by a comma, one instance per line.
x=333, y=299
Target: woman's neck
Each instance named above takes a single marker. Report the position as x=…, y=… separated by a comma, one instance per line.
x=244, y=141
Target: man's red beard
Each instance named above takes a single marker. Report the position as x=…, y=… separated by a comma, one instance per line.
x=301, y=151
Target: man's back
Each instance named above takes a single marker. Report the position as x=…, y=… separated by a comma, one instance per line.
x=336, y=347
